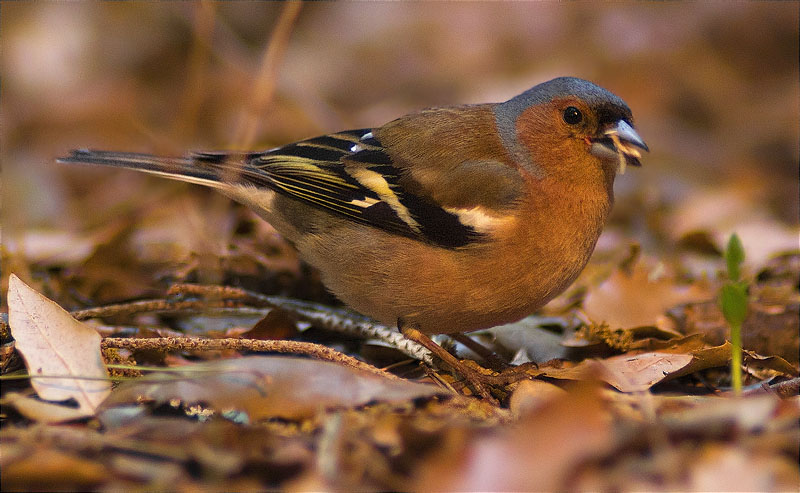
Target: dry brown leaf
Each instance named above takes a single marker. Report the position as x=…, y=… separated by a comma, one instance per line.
x=270, y=386
x=55, y=344
x=626, y=373
x=712, y=357
x=48, y=469
x=636, y=372
x=715, y=416
x=642, y=338
x=641, y=371
x=719, y=356
x=530, y=395
x=636, y=299
x=721, y=467
x=537, y=454
x=113, y=272
x=765, y=367
x=686, y=344
x=275, y=325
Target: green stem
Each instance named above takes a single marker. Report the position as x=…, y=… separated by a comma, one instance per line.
x=736, y=358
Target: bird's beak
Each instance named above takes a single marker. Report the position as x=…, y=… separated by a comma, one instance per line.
x=621, y=142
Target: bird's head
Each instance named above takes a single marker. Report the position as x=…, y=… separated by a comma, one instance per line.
x=569, y=126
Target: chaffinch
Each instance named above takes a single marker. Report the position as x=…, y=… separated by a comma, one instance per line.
x=448, y=220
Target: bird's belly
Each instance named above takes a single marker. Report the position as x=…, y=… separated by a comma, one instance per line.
x=438, y=290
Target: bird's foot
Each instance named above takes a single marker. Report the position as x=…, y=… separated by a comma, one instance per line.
x=475, y=377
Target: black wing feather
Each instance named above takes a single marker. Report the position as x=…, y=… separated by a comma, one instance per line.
x=319, y=171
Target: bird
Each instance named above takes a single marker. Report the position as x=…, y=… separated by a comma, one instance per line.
x=445, y=220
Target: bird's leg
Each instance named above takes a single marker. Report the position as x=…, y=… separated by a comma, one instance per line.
x=476, y=347
x=472, y=376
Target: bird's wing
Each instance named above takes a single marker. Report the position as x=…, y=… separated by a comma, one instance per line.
x=352, y=174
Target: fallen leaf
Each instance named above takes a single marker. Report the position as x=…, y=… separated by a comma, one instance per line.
x=536, y=454
x=532, y=336
x=645, y=337
x=766, y=367
x=626, y=373
x=43, y=411
x=637, y=372
x=722, y=416
x=687, y=344
x=275, y=325
x=641, y=371
x=270, y=386
x=114, y=271
x=729, y=468
x=55, y=344
x=712, y=357
x=530, y=395
x=636, y=298
x=47, y=470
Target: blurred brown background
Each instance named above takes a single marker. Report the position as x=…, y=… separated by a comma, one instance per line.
x=713, y=87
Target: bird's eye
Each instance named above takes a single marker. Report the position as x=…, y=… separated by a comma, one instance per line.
x=572, y=115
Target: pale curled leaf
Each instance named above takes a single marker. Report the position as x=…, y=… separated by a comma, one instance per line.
x=638, y=372
x=55, y=344
x=269, y=386
x=43, y=411
x=626, y=373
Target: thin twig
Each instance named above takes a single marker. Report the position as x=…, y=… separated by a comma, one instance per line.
x=222, y=293
x=152, y=306
x=333, y=319
x=787, y=388
x=230, y=298
x=316, y=351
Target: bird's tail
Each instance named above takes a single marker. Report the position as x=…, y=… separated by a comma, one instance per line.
x=209, y=169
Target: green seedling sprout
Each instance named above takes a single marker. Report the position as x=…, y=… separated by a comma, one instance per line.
x=733, y=300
